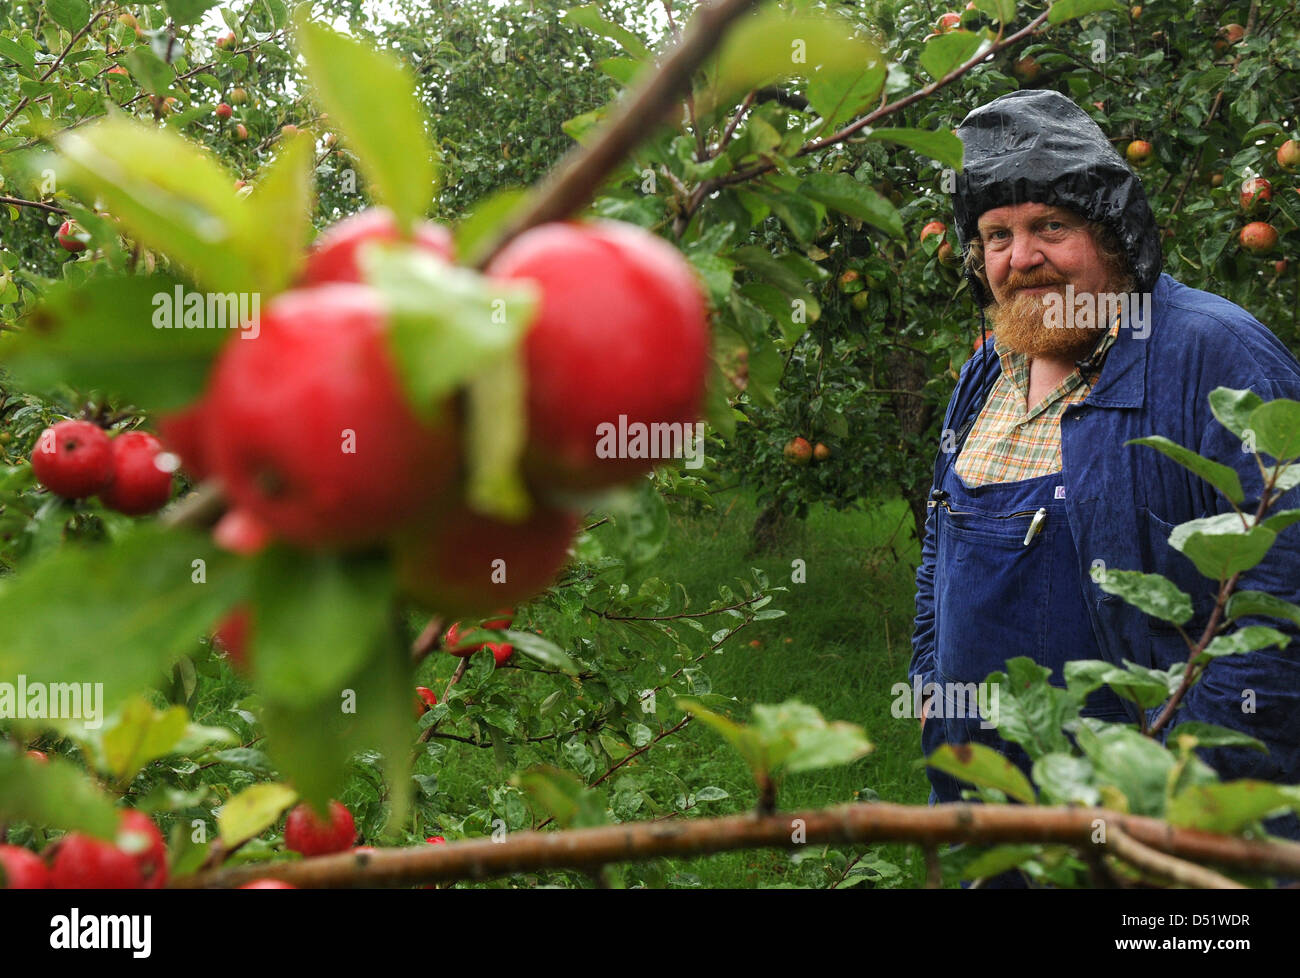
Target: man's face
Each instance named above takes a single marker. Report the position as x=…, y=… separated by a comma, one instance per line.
x=1030, y=251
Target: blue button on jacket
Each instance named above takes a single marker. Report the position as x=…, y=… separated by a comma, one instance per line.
x=1122, y=502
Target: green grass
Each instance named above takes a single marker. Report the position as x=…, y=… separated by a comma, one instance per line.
x=844, y=643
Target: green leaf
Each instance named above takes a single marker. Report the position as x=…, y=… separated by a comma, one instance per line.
x=1210, y=735
x=372, y=102
x=1218, y=546
x=252, y=812
x=570, y=802
x=186, y=12
x=485, y=221
x=1065, y=779
x=1151, y=593
x=104, y=335
x=310, y=743
x=944, y=53
x=772, y=45
x=496, y=425
x=984, y=767
x=282, y=205
x=544, y=651
x=941, y=145
x=797, y=738
x=169, y=194
x=448, y=324
x=1227, y=808
x=590, y=18
x=54, y=795
x=748, y=742
x=153, y=74
x=1233, y=408
x=141, y=734
x=1136, y=765
x=1276, y=425
x=1143, y=686
x=1220, y=476
x=999, y=859
x=72, y=15
x=1003, y=11
x=640, y=523
x=1242, y=604
x=116, y=613
x=838, y=96
x=1246, y=639
x=1063, y=10
x=318, y=615
x=796, y=213
x=842, y=193
x=1030, y=711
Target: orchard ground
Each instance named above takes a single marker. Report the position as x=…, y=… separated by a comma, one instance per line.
x=837, y=657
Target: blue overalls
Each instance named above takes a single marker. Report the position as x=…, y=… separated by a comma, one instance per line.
x=1006, y=584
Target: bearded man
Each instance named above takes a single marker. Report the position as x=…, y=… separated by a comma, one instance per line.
x=1034, y=489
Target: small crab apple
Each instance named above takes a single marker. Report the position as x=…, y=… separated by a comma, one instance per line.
x=948, y=22
x=139, y=838
x=425, y=700
x=334, y=255
x=139, y=485
x=181, y=433
x=464, y=563
x=231, y=637
x=436, y=840
x=22, y=869
x=1288, y=155
x=240, y=532
x=238, y=95
x=1255, y=193
x=67, y=237
x=1258, y=237
x=136, y=858
x=224, y=111
x=934, y=227
x=83, y=863
x=798, y=451
x=308, y=833
x=619, y=346
x=1139, y=152
x=501, y=652
x=73, y=459
x=309, y=429
x=39, y=756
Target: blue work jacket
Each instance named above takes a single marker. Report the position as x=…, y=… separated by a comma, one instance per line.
x=1122, y=502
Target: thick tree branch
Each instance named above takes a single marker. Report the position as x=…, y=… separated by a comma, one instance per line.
x=480, y=859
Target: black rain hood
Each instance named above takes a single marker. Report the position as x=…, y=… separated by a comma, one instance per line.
x=1037, y=145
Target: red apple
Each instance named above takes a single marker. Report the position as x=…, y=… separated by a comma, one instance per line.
x=334, y=255
x=306, y=832
x=798, y=451
x=1258, y=237
x=1255, y=193
x=68, y=237
x=73, y=459
x=1139, y=152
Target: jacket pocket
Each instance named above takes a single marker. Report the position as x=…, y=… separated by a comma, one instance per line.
x=1160, y=558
